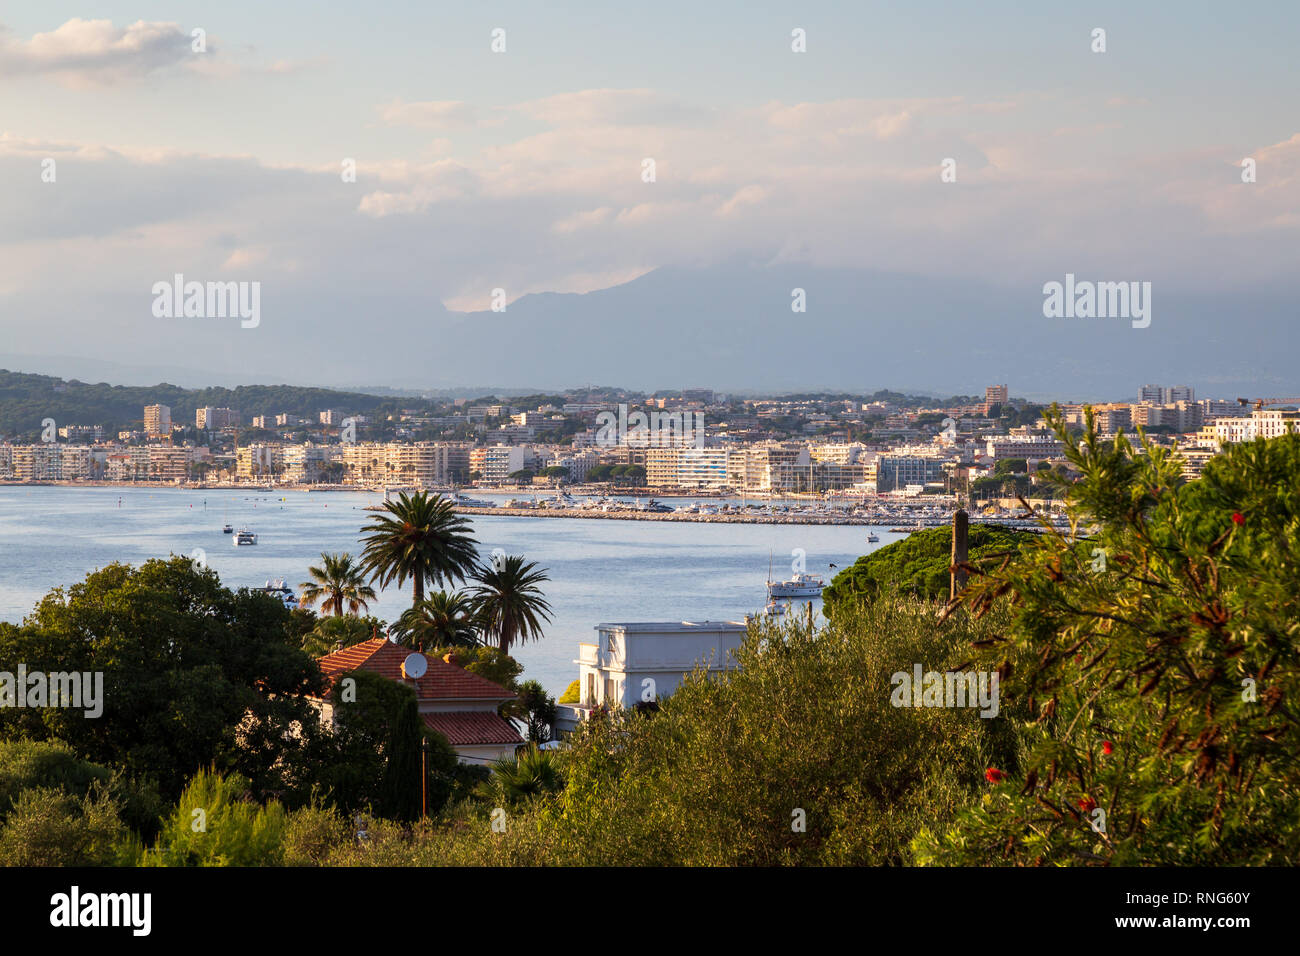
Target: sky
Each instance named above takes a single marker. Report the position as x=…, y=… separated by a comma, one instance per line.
x=524, y=170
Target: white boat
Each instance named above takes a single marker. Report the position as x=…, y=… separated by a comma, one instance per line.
x=872, y=537
x=227, y=529
x=280, y=590
x=243, y=537
x=801, y=585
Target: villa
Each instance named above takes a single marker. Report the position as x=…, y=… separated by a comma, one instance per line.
x=457, y=704
x=641, y=662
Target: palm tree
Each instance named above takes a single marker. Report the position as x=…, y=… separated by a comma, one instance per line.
x=440, y=620
x=338, y=581
x=420, y=537
x=510, y=604
x=529, y=774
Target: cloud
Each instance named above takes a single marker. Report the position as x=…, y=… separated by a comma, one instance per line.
x=88, y=52
x=434, y=114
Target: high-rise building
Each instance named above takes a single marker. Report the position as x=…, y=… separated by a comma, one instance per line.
x=214, y=418
x=1151, y=394
x=994, y=395
x=157, y=420
x=1180, y=393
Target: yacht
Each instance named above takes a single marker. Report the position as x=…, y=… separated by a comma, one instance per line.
x=279, y=590
x=227, y=529
x=872, y=537
x=801, y=585
x=243, y=536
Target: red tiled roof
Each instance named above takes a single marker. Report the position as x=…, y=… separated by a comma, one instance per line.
x=441, y=681
x=464, y=727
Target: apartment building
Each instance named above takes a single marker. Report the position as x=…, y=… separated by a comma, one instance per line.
x=896, y=472
x=48, y=462
x=306, y=463
x=994, y=395
x=157, y=421
x=215, y=418
x=496, y=463
x=1015, y=446
x=151, y=463
x=81, y=433
x=704, y=469
x=1263, y=423
x=766, y=468
x=422, y=464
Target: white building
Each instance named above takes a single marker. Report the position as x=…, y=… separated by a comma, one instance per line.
x=632, y=663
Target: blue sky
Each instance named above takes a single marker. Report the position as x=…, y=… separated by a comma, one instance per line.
x=522, y=170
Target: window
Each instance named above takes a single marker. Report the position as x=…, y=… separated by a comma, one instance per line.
x=610, y=689
x=590, y=699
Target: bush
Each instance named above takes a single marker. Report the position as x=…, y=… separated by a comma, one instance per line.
x=218, y=823
x=572, y=694
x=919, y=564
x=50, y=827
x=717, y=775
x=311, y=833
x=1152, y=666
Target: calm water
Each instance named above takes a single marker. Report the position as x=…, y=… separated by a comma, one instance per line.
x=601, y=570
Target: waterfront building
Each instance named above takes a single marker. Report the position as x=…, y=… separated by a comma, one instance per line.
x=642, y=662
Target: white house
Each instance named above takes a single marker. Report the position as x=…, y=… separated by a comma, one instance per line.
x=631, y=663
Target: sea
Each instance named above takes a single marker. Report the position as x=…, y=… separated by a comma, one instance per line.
x=601, y=570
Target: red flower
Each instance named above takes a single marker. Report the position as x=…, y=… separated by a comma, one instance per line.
x=1107, y=747
x=994, y=775
x=1238, y=518
x=1087, y=804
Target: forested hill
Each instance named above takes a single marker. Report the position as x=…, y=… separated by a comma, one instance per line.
x=26, y=399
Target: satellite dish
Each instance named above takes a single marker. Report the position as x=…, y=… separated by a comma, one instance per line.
x=414, y=666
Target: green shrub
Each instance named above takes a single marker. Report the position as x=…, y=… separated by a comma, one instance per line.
x=919, y=564
x=218, y=823
x=1154, y=667
x=46, y=826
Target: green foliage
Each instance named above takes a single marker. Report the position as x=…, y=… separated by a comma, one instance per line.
x=486, y=662
x=919, y=564
x=47, y=826
x=529, y=774
x=52, y=765
x=311, y=832
x=508, y=601
x=218, y=823
x=25, y=399
x=334, y=633
x=371, y=757
x=1153, y=665
x=339, y=584
x=716, y=775
x=421, y=537
x=1010, y=466
x=193, y=674
x=537, y=709
x=572, y=694
x=440, y=620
